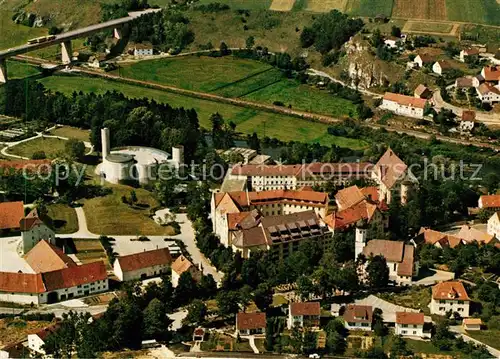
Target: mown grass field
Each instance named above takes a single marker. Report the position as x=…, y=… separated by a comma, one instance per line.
x=475, y=11
x=248, y=120
x=64, y=219
x=51, y=146
x=71, y=132
x=369, y=8
x=19, y=70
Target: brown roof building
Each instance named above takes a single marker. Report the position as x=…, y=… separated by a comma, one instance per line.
x=75, y=276
x=251, y=323
x=358, y=317
x=11, y=214
x=405, y=100
x=45, y=257
x=423, y=91
x=410, y=318
x=143, y=264
x=435, y=238
x=450, y=290
x=304, y=314
x=182, y=265
x=400, y=258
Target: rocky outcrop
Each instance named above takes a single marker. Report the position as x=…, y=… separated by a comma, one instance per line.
x=363, y=68
x=30, y=19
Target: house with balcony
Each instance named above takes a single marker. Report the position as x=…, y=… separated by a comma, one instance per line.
x=304, y=315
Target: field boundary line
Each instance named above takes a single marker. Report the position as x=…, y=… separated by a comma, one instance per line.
x=260, y=88
x=242, y=79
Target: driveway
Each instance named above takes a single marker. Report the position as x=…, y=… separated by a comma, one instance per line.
x=177, y=318
x=388, y=309
x=438, y=276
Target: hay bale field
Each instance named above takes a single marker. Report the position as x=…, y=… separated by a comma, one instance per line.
x=282, y=5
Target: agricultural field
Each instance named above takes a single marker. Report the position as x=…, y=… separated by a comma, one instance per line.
x=241, y=4
x=51, y=146
x=283, y=127
x=108, y=215
x=422, y=9
x=19, y=70
x=250, y=84
x=369, y=8
x=63, y=217
x=325, y=5
x=475, y=11
x=282, y=5
x=422, y=26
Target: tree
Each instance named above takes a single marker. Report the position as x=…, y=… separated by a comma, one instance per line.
x=305, y=287
x=335, y=343
x=156, y=321
x=443, y=338
x=186, y=289
x=399, y=347
x=197, y=312
x=207, y=286
x=133, y=196
x=396, y=32
x=378, y=272
x=308, y=342
x=250, y=42
x=38, y=155
x=263, y=296
x=75, y=149
x=377, y=39
x=378, y=323
x=224, y=50
x=227, y=302
x=245, y=296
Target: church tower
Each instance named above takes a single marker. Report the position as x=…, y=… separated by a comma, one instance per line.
x=360, y=240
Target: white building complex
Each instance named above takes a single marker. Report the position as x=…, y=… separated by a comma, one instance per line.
x=142, y=265
x=135, y=163
x=450, y=296
x=404, y=105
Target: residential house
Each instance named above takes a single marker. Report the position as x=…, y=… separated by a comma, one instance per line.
x=392, y=177
x=466, y=82
x=282, y=234
x=199, y=334
x=437, y=239
x=233, y=211
x=38, y=338
x=490, y=202
x=404, y=105
x=450, y=296
x=441, y=66
x=143, y=49
x=424, y=59
x=491, y=74
x=142, y=265
x=493, y=227
x=473, y=235
x=423, y=92
x=292, y=177
x=358, y=317
x=50, y=287
x=409, y=324
x=400, y=258
x=366, y=210
x=251, y=323
x=11, y=214
x=392, y=42
x=33, y=230
x=469, y=53
x=471, y=324
x=182, y=265
x=46, y=257
x=304, y=315
x=488, y=93
x=467, y=121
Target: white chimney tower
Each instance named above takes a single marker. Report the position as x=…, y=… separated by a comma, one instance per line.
x=105, y=141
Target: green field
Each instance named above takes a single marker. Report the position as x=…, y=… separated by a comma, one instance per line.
x=51, y=146
x=250, y=83
x=242, y=4
x=12, y=34
x=475, y=11
x=422, y=26
x=64, y=220
x=192, y=72
x=369, y=8
x=248, y=120
x=16, y=70
x=72, y=132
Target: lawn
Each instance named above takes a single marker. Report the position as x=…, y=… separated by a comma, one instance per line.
x=16, y=70
x=283, y=127
x=51, y=146
x=305, y=98
x=64, y=220
x=489, y=337
x=423, y=26
x=203, y=73
x=71, y=132
x=369, y=8
x=475, y=11
x=414, y=297
x=421, y=347
x=108, y=215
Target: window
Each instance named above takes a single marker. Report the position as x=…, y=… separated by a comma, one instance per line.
x=442, y=302
x=441, y=309
x=365, y=324
x=460, y=302
x=404, y=325
x=414, y=332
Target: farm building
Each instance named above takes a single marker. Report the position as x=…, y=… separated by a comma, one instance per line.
x=142, y=265
x=423, y=91
x=404, y=105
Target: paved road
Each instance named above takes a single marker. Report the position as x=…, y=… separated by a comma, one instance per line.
x=460, y=331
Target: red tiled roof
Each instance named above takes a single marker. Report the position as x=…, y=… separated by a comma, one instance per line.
x=182, y=264
x=45, y=257
x=243, y=220
x=146, y=259
x=468, y=115
x=422, y=90
x=405, y=100
x=11, y=214
x=393, y=251
x=21, y=283
x=405, y=268
x=45, y=332
x=449, y=291
x=490, y=201
x=390, y=168
x=469, y=235
x=486, y=88
x=305, y=308
x=29, y=165
x=472, y=321
x=491, y=73
x=75, y=276
x=358, y=313
x=471, y=51
x=349, y=216
x=348, y=197
x=247, y=321
x=426, y=58
x=410, y=318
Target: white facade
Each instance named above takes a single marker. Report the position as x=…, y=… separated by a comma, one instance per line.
x=466, y=126
x=23, y=298
x=37, y=232
x=141, y=273
x=403, y=110
x=311, y=322
x=442, y=306
x=437, y=69
x=360, y=241
x=35, y=344
x=493, y=227
x=488, y=96
x=175, y=279
x=143, y=52
x=358, y=326
x=410, y=330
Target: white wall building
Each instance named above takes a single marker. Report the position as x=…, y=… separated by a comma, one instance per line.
x=409, y=324
x=448, y=296
x=493, y=226
x=358, y=317
x=488, y=93
x=36, y=340
x=304, y=315
x=144, y=49
x=33, y=230
x=404, y=105
x=139, y=266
